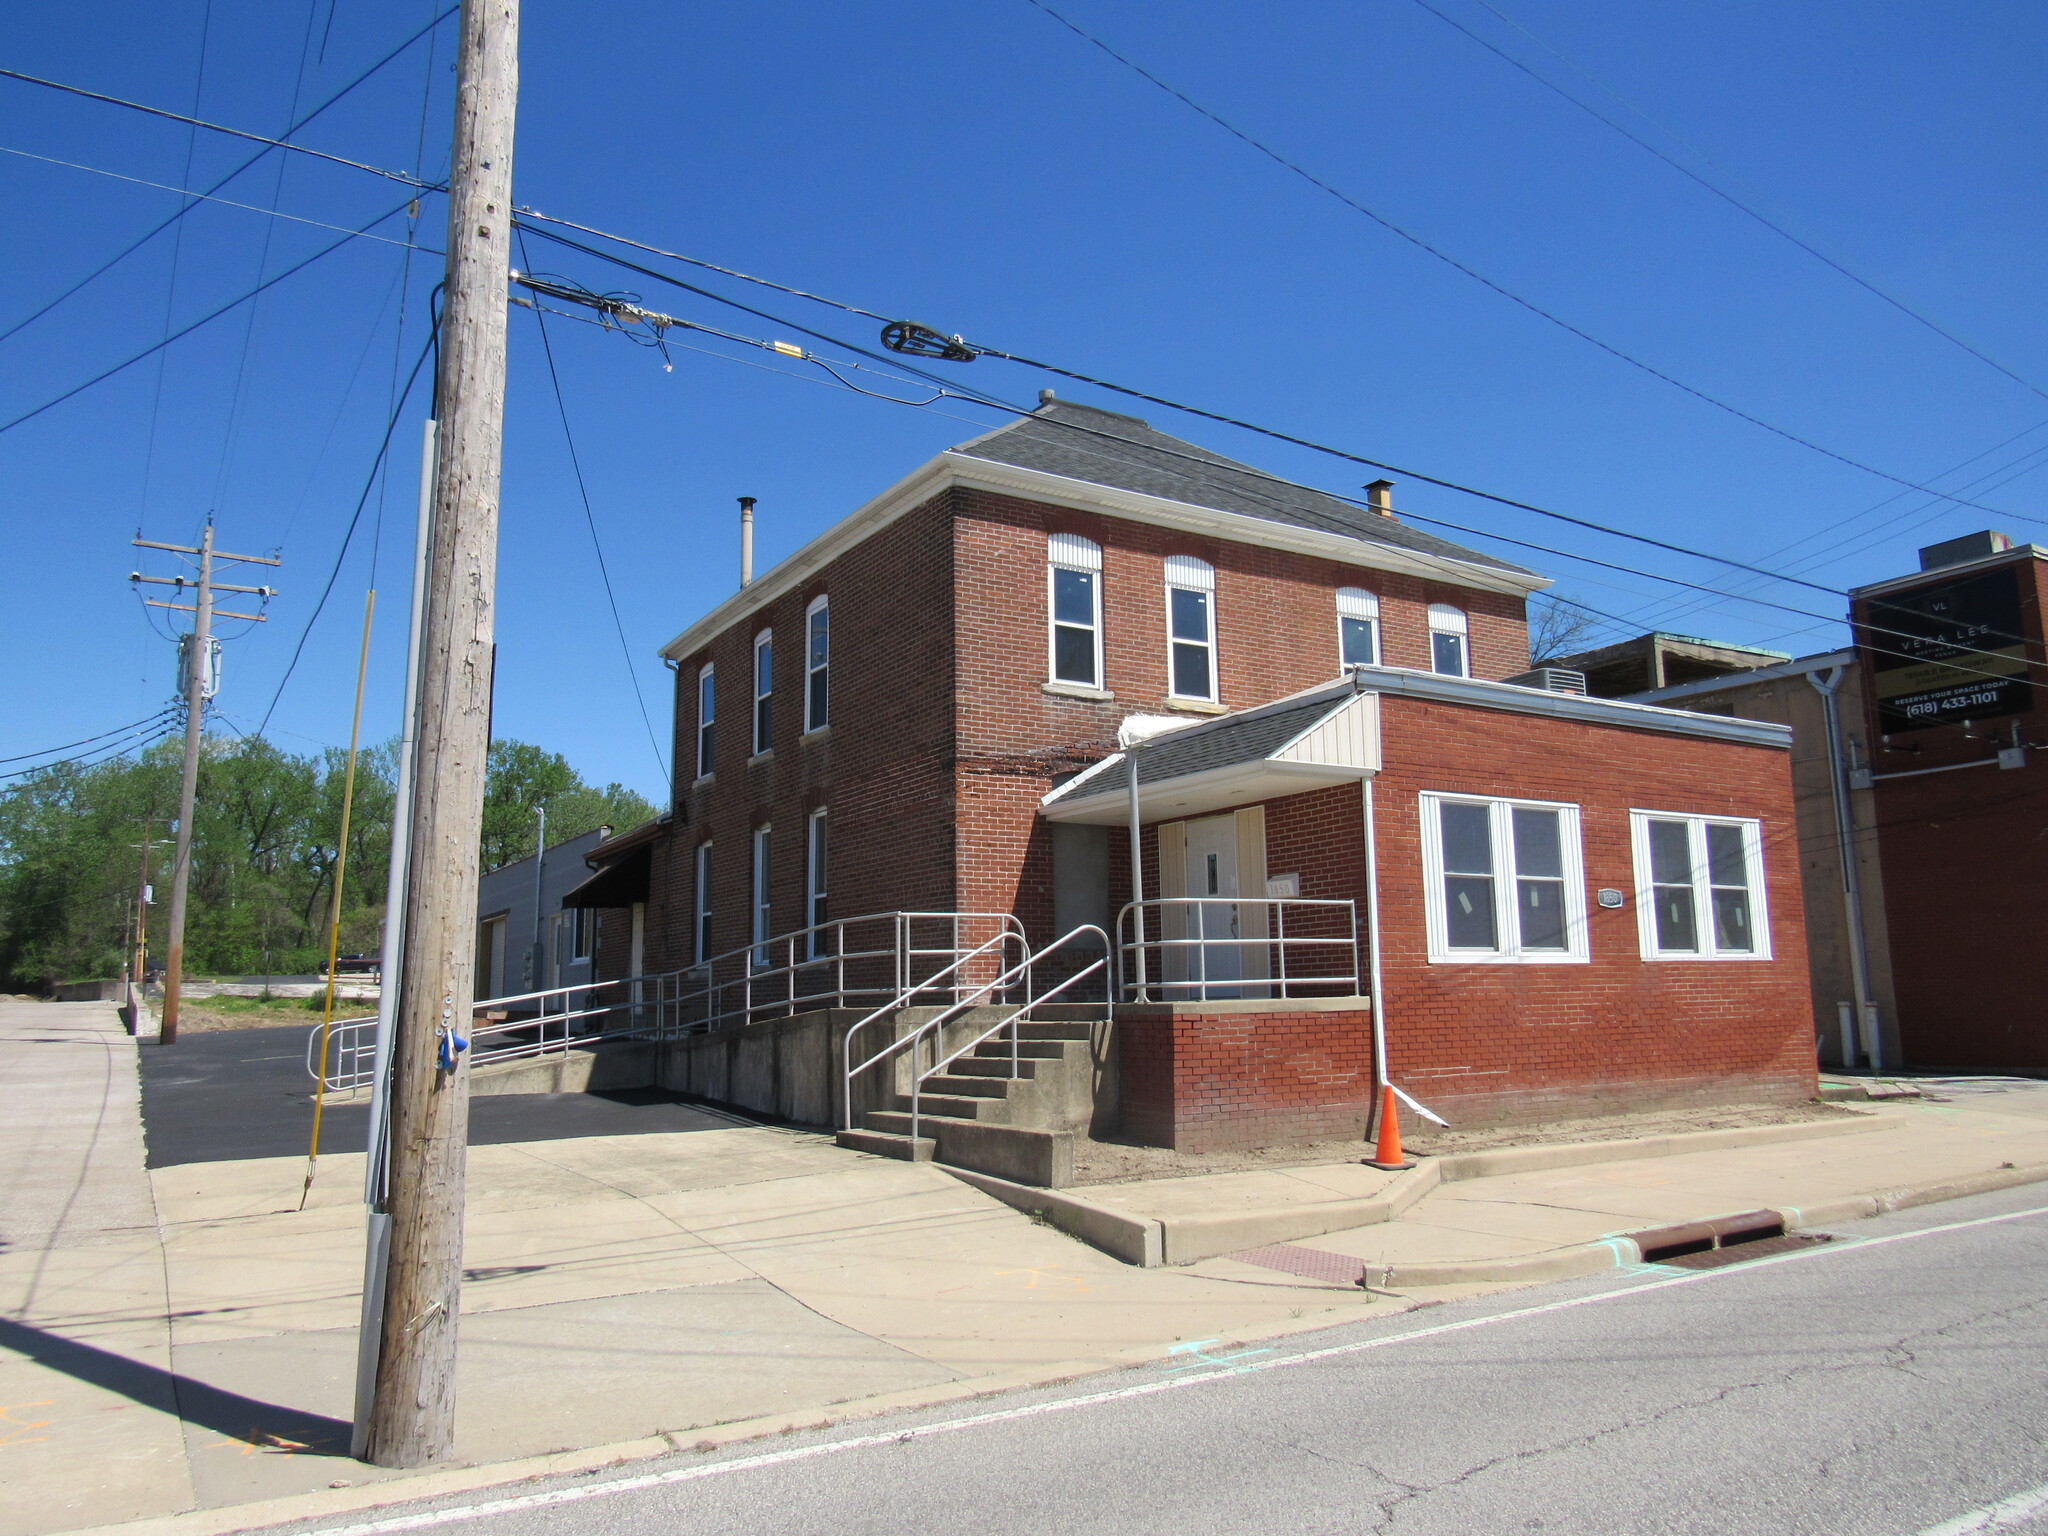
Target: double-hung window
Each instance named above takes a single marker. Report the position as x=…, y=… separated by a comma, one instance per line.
x=764, y=691
x=763, y=907
x=1074, y=598
x=1191, y=628
x=1449, y=641
x=1700, y=887
x=703, y=912
x=707, y=719
x=819, y=943
x=1358, y=627
x=817, y=664
x=1504, y=880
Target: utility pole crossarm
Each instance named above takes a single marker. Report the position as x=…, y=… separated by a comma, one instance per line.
x=186, y=549
x=218, y=586
x=218, y=613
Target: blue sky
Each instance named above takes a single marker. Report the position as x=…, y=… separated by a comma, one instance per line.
x=981, y=168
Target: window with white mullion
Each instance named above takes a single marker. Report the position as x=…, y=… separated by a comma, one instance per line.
x=1504, y=880
x=703, y=912
x=1449, y=640
x=1699, y=884
x=1358, y=627
x=1074, y=608
x=817, y=665
x=764, y=691
x=1191, y=628
x=763, y=905
x=819, y=942
x=707, y=717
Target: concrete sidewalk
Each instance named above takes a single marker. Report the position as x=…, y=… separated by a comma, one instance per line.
x=184, y=1341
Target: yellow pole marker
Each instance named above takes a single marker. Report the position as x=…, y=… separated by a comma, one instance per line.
x=348, y=801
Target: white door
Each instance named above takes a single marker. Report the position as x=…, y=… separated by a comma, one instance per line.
x=1211, y=874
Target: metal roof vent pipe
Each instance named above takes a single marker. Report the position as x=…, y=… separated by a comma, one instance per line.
x=1379, y=497
x=746, y=541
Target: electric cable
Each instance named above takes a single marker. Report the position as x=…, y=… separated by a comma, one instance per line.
x=348, y=535
x=97, y=757
x=1479, y=277
x=1731, y=199
x=232, y=304
x=135, y=245
x=238, y=133
x=86, y=741
x=1867, y=626
x=596, y=545
x=207, y=197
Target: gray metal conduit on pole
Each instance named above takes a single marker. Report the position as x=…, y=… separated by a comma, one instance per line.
x=1137, y=867
x=1852, y=884
x=376, y=1169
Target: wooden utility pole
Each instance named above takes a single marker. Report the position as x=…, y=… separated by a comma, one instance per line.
x=198, y=666
x=412, y=1407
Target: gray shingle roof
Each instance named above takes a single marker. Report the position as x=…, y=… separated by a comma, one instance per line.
x=1228, y=742
x=1105, y=448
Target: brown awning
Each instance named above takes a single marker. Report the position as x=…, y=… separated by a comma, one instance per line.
x=616, y=885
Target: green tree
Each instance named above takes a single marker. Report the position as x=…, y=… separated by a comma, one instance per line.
x=521, y=778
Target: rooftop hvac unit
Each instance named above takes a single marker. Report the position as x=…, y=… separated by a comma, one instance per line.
x=1550, y=680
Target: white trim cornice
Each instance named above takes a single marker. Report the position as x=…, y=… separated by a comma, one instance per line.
x=950, y=469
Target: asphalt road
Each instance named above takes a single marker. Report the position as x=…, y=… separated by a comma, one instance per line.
x=1889, y=1382
x=223, y=1095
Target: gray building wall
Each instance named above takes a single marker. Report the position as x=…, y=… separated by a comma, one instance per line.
x=522, y=947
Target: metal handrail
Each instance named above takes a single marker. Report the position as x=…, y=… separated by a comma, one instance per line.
x=918, y=1079
x=671, y=1004
x=901, y=1000
x=1275, y=945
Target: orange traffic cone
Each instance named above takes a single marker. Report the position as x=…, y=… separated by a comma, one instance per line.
x=1387, y=1154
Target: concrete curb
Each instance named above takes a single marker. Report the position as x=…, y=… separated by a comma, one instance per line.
x=413, y=1488
x=1128, y=1235
x=1620, y=1252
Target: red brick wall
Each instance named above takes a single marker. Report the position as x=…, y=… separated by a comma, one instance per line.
x=1205, y=1081
x=1276, y=633
x=882, y=770
x=1488, y=1043
x=1965, y=862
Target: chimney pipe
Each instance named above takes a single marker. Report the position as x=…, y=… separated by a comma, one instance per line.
x=1379, y=496
x=746, y=541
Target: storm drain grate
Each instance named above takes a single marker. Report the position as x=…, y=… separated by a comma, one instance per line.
x=1309, y=1263
x=1761, y=1248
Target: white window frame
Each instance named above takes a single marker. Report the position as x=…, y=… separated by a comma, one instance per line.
x=761, y=917
x=1072, y=552
x=1449, y=619
x=707, y=720
x=1356, y=605
x=1507, y=930
x=764, y=698
x=702, y=915
x=817, y=881
x=583, y=933
x=817, y=673
x=1185, y=573
x=1702, y=886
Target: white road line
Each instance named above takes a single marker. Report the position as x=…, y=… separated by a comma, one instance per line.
x=2003, y=1515
x=582, y=1491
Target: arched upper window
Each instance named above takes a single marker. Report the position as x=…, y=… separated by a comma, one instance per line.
x=764, y=691
x=1449, y=649
x=817, y=664
x=1190, y=628
x=707, y=716
x=1358, y=627
x=1074, y=609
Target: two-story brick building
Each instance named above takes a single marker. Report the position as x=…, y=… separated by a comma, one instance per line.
x=1578, y=903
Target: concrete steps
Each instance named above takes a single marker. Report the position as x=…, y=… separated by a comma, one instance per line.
x=1005, y=1110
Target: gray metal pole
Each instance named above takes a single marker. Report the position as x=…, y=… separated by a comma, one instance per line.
x=1852, y=882
x=377, y=1166
x=1137, y=868
x=196, y=658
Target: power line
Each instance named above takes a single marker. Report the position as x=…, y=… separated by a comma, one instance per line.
x=1479, y=277
x=207, y=197
x=118, y=730
x=1867, y=625
x=1728, y=197
x=153, y=349
x=97, y=756
x=596, y=546
x=348, y=535
x=237, y=133
x=1286, y=437
x=132, y=247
